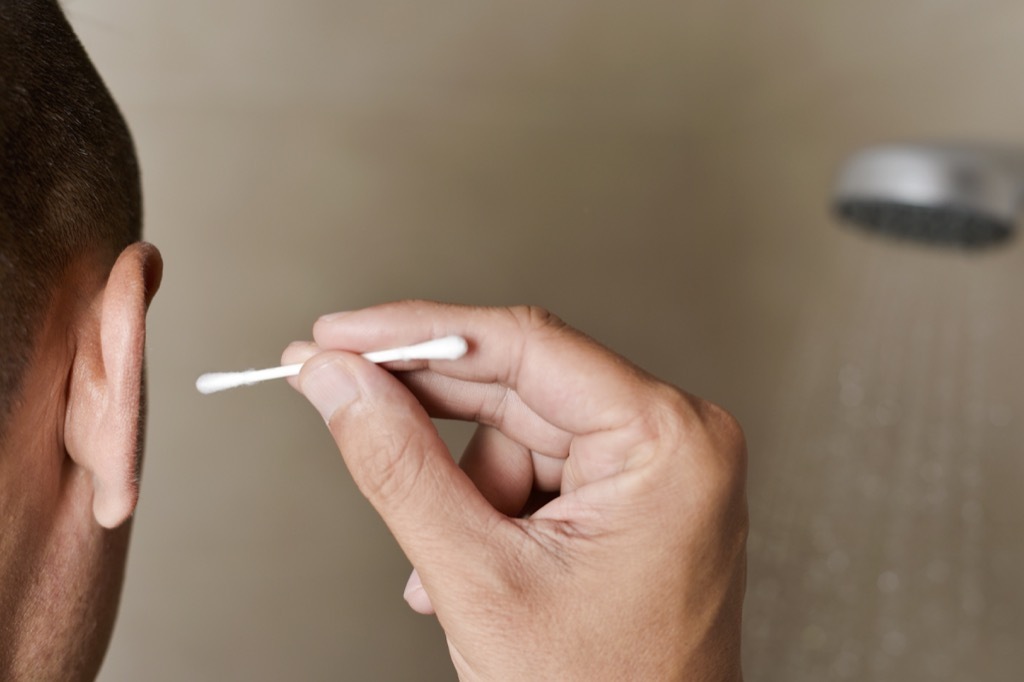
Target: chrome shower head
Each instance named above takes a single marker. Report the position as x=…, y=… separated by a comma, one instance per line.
x=966, y=196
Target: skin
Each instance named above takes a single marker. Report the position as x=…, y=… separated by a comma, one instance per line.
x=632, y=562
x=70, y=451
x=75, y=435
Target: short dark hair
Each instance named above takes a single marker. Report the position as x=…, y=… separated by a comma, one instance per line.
x=69, y=180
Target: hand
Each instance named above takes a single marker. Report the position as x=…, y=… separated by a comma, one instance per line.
x=634, y=568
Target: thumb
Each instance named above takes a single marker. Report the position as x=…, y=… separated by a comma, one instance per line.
x=400, y=463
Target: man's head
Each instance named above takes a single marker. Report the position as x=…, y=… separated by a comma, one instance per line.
x=75, y=284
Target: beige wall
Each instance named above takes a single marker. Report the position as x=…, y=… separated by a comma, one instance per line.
x=657, y=173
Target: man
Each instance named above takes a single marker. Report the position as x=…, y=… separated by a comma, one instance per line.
x=75, y=284
x=635, y=570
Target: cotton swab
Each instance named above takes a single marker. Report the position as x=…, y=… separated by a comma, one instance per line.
x=446, y=348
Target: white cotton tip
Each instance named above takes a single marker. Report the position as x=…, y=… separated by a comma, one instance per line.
x=447, y=348
x=221, y=381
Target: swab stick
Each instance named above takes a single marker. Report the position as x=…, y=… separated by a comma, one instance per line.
x=447, y=348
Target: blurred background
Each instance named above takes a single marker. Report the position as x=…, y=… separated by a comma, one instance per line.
x=657, y=174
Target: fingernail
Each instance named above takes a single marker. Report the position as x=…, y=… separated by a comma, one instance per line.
x=332, y=317
x=298, y=352
x=330, y=387
x=412, y=589
x=416, y=596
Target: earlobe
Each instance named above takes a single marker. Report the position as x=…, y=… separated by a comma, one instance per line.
x=104, y=420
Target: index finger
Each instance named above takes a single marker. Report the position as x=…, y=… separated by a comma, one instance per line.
x=567, y=378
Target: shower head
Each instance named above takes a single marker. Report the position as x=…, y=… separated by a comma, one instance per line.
x=941, y=194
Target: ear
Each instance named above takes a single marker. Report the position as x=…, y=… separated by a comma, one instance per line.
x=105, y=411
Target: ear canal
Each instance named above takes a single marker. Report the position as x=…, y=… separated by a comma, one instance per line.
x=104, y=419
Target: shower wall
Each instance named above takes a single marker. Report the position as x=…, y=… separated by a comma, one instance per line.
x=656, y=173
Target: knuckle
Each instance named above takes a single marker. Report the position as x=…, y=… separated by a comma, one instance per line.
x=532, y=318
x=725, y=429
x=389, y=466
x=714, y=448
x=494, y=409
x=727, y=444
x=529, y=324
x=710, y=433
